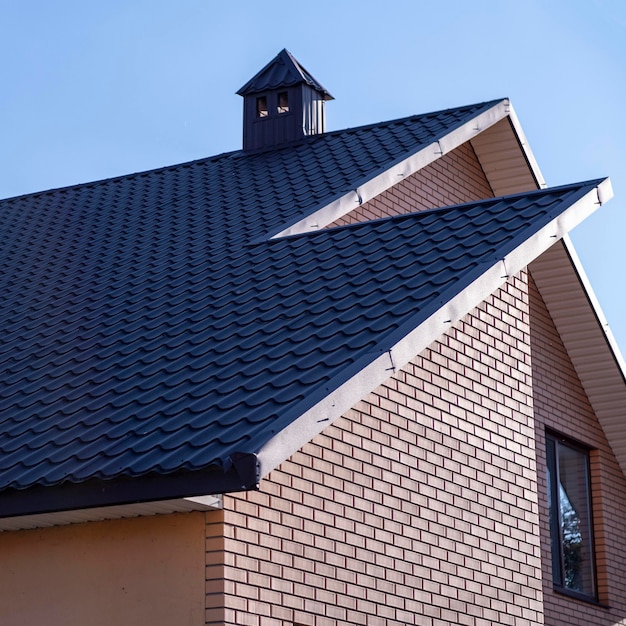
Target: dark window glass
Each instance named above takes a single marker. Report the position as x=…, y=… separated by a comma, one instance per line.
x=261, y=106
x=283, y=102
x=570, y=516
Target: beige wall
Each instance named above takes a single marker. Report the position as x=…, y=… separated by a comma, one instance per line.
x=144, y=571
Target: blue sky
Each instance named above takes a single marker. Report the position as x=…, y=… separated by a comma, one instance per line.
x=98, y=89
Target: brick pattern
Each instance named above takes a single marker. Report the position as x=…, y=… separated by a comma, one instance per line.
x=561, y=404
x=417, y=507
x=455, y=178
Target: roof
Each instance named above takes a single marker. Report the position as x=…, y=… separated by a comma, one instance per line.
x=161, y=340
x=282, y=71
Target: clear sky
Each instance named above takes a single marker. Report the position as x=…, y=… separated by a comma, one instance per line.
x=91, y=90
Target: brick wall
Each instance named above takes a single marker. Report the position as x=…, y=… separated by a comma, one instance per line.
x=455, y=178
x=417, y=507
x=561, y=404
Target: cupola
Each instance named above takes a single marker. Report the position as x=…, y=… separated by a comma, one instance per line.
x=282, y=103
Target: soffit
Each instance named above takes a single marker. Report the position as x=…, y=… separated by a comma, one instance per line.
x=58, y=518
x=587, y=338
x=506, y=158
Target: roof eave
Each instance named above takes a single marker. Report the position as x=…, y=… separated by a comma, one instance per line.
x=151, y=494
x=98, y=514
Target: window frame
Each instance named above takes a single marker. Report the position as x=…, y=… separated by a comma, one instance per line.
x=553, y=441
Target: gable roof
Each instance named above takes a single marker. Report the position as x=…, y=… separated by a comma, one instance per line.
x=282, y=71
x=158, y=343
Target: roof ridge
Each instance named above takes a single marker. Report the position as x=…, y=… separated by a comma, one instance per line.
x=241, y=153
x=399, y=120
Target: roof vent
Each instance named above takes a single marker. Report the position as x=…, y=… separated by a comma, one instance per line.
x=282, y=103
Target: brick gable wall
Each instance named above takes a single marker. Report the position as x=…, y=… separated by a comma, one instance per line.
x=455, y=178
x=426, y=503
x=417, y=507
x=561, y=404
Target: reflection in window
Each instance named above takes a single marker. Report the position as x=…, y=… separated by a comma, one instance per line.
x=570, y=517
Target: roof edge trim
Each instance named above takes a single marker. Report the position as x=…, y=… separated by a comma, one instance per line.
x=525, y=147
x=378, y=183
x=126, y=497
x=337, y=402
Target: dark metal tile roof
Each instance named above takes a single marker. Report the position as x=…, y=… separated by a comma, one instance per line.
x=146, y=329
x=282, y=71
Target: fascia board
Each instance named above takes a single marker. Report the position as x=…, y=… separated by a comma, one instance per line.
x=413, y=341
x=143, y=495
x=373, y=186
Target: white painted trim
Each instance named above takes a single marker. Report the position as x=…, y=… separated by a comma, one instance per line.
x=337, y=402
x=391, y=176
x=62, y=518
x=525, y=146
x=594, y=302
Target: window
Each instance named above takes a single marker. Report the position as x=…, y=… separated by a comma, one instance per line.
x=261, y=106
x=571, y=534
x=283, y=102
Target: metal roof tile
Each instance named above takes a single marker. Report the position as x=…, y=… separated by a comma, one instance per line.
x=150, y=327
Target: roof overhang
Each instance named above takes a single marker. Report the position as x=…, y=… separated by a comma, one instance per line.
x=97, y=500
x=413, y=341
x=506, y=158
x=495, y=135
x=586, y=335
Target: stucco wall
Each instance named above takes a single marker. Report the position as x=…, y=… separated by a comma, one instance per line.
x=561, y=404
x=419, y=506
x=144, y=571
